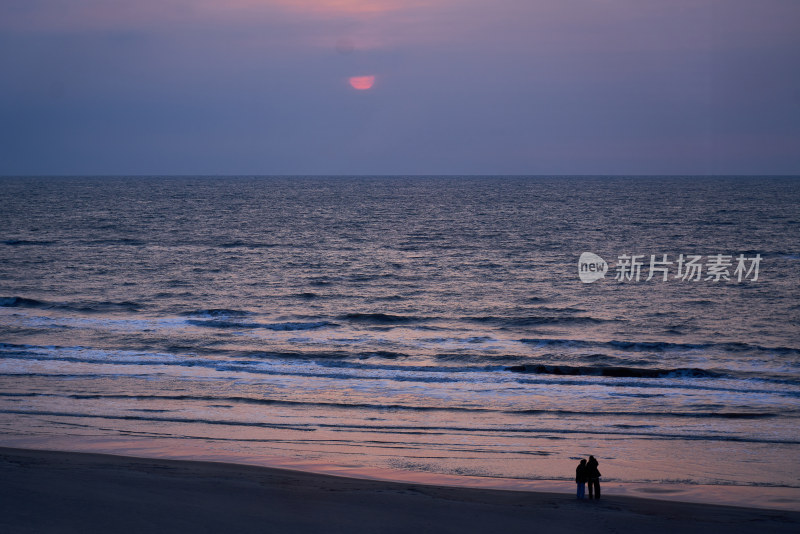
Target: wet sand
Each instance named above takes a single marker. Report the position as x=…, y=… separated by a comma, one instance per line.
x=45, y=491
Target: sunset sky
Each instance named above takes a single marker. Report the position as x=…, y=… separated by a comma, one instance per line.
x=399, y=87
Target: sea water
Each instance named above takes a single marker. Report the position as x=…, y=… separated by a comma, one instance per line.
x=414, y=324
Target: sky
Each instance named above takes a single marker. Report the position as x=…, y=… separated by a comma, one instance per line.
x=399, y=87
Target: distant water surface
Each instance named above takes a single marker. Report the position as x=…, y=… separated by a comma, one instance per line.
x=422, y=324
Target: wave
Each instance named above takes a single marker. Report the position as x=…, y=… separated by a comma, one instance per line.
x=659, y=346
x=24, y=242
x=21, y=302
x=535, y=320
x=252, y=368
x=402, y=378
x=217, y=312
x=250, y=400
x=300, y=427
x=395, y=407
x=386, y=354
x=644, y=383
x=244, y=244
x=388, y=319
x=382, y=318
x=298, y=326
x=288, y=326
x=81, y=307
x=119, y=241
x=556, y=433
x=266, y=365
x=105, y=306
x=618, y=372
x=648, y=415
x=340, y=365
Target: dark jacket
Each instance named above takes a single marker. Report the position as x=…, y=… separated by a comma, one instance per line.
x=580, y=474
x=591, y=469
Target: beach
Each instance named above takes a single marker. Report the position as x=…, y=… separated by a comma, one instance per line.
x=47, y=491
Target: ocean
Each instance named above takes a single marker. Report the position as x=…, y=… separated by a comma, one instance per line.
x=418, y=325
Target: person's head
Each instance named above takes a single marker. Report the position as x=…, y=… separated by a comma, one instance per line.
x=583, y=461
x=591, y=459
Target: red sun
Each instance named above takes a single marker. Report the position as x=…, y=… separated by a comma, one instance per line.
x=362, y=83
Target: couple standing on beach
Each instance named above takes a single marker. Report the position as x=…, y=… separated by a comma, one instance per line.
x=588, y=472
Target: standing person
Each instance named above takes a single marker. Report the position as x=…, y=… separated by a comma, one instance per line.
x=580, y=479
x=593, y=477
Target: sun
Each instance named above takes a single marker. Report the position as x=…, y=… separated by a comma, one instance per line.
x=362, y=83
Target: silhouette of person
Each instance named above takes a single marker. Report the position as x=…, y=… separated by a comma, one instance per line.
x=580, y=479
x=593, y=477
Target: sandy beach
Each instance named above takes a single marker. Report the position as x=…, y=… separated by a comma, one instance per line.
x=45, y=491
